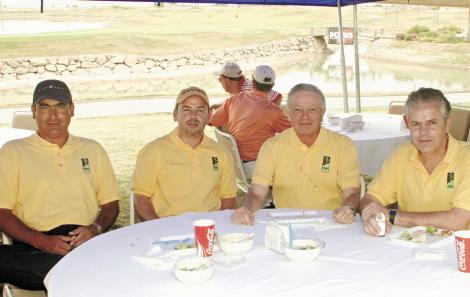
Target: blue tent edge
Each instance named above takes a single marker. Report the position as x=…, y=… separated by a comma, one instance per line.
x=331, y=3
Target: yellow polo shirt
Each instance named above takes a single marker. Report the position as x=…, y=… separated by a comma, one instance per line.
x=179, y=178
x=404, y=179
x=308, y=177
x=47, y=186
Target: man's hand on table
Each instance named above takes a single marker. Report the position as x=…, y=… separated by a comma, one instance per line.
x=242, y=216
x=344, y=215
x=369, y=214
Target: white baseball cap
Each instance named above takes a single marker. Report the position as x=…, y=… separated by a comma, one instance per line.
x=264, y=74
x=231, y=70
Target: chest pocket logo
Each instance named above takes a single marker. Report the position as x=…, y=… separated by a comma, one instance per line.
x=450, y=181
x=215, y=163
x=86, y=165
x=325, y=166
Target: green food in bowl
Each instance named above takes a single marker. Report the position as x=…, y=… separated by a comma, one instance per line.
x=305, y=247
x=182, y=246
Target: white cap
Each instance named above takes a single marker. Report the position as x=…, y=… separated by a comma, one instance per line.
x=264, y=74
x=231, y=70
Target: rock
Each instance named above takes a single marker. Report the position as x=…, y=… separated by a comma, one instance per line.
x=63, y=61
x=40, y=69
x=12, y=63
x=90, y=58
x=87, y=64
x=61, y=68
x=119, y=59
x=72, y=67
x=130, y=61
x=109, y=65
x=38, y=61
x=149, y=64
x=101, y=60
x=50, y=67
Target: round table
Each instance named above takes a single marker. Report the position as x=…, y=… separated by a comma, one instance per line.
x=352, y=264
x=7, y=134
x=381, y=134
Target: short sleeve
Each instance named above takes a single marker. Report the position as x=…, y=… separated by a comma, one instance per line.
x=107, y=187
x=264, y=169
x=144, y=179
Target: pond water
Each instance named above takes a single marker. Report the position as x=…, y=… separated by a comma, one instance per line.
x=11, y=27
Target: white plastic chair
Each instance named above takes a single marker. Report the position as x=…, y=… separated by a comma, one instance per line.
x=230, y=144
x=23, y=120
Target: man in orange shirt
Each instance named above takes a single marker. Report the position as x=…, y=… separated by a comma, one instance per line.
x=251, y=117
x=233, y=81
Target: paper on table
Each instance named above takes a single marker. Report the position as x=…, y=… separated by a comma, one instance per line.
x=156, y=258
x=323, y=224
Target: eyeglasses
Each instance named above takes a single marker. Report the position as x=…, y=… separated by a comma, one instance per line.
x=45, y=108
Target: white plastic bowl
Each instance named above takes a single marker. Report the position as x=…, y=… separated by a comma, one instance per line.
x=333, y=121
x=234, y=244
x=193, y=270
x=301, y=251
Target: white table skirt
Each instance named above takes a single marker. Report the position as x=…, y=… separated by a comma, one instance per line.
x=7, y=134
x=352, y=264
x=381, y=134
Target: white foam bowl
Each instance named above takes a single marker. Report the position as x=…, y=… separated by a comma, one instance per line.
x=301, y=250
x=194, y=270
x=333, y=121
x=234, y=244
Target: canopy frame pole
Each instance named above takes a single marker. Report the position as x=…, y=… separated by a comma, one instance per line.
x=357, y=74
x=343, y=62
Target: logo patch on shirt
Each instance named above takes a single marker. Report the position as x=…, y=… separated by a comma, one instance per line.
x=450, y=181
x=86, y=165
x=215, y=163
x=325, y=166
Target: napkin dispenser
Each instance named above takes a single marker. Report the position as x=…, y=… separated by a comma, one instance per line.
x=277, y=236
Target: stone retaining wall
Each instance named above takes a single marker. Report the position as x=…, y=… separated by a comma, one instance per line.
x=39, y=67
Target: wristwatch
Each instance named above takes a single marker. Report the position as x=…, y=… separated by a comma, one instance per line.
x=392, y=214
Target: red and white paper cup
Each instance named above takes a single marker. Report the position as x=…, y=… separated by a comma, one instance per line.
x=204, y=233
x=462, y=245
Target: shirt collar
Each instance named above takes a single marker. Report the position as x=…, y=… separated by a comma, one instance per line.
x=38, y=140
x=449, y=157
x=174, y=136
x=322, y=138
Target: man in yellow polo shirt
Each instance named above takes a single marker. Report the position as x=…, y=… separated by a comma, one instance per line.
x=57, y=191
x=184, y=170
x=309, y=167
x=429, y=177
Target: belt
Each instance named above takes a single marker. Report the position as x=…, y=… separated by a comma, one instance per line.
x=248, y=161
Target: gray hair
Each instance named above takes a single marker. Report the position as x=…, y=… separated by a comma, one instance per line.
x=307, y=88
x=424, y=95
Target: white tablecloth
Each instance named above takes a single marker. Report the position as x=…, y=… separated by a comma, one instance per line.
x=351, y=264
x=7, y=134
x=381, y=134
